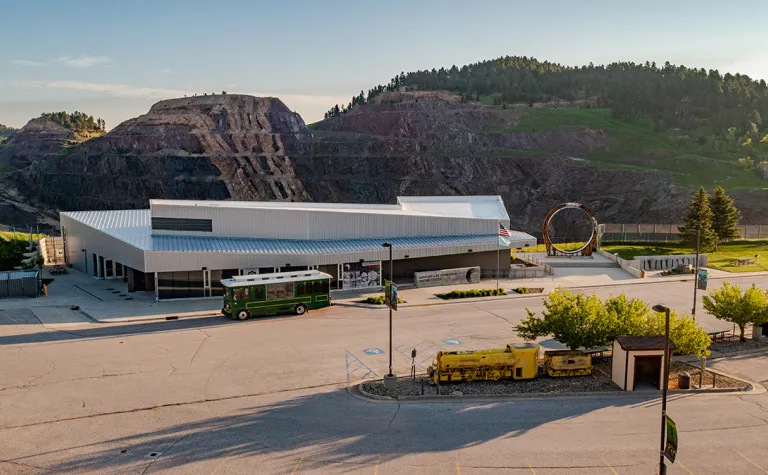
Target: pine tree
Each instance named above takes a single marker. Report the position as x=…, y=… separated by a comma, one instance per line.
x=725, y=216
x=699, y=218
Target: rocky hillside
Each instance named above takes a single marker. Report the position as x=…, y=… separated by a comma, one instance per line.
x=247, y=148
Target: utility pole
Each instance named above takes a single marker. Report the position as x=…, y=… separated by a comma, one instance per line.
x=696, y=273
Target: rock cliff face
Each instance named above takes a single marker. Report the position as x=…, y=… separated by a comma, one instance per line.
x=247, y=148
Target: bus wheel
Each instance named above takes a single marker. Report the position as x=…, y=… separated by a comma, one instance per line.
x=300, y=309
x=242, y=315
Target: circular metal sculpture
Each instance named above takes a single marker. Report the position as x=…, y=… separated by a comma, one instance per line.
x=585, y=250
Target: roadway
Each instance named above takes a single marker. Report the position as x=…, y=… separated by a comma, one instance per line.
x=209, y=395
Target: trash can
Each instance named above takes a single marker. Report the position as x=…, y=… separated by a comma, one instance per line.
x=684, y=380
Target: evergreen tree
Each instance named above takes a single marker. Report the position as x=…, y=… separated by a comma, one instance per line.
x=699, y=218
x=725, y=216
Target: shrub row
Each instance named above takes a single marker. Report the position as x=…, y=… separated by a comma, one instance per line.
x=462, y=294
x=379, y=300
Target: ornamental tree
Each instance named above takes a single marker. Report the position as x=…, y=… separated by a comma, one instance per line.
x=729, y=304
x=572, y=319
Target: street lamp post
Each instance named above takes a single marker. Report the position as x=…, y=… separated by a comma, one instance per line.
x=696, y=273
x=390, y=379
x=661, y=308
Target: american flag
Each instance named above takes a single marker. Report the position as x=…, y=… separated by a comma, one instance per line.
x=504, y=236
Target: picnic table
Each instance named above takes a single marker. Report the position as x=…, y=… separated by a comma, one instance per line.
x=597, y=353
x=720, y=335
x=746, y=261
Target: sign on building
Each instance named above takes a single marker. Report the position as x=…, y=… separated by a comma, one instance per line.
x=463, y=275
x=361, y=275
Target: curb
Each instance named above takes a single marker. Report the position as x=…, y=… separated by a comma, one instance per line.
x=358, y=391
x=157, y=318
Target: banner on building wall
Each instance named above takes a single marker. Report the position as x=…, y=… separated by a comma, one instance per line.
x=463, y=275
x=361, y=275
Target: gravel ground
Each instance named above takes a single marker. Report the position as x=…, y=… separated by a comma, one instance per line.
x=721, y=382
x=736, y=347
x=543, y=384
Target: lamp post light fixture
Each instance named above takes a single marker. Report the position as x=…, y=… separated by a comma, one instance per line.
x=662, y=309
x=390, y=380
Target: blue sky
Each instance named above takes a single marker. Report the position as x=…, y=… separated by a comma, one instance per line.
x=115, y=59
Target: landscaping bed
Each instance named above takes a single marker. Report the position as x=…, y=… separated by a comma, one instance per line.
x=463, y=294
x=596, y=382
x=528, y=290
x=721, y=382
x=378, y=300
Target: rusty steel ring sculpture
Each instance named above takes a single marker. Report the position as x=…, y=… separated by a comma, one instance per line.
x=587, y=249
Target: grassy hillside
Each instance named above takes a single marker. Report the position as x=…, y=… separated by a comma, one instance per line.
x=691, y=161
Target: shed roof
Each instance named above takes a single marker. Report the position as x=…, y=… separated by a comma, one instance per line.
x=636, y=343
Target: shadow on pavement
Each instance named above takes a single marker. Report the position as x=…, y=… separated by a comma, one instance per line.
x=119, y=330
x=329, y=431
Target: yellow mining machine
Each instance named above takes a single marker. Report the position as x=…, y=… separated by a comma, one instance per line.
x=567, y=363
x=516, y=361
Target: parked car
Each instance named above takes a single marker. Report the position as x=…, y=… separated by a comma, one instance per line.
x=58, y=270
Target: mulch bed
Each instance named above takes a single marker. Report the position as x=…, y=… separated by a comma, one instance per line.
x=721, y=382
x=596, y=382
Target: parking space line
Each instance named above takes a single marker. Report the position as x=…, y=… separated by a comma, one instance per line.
x=748, y=460
x=609, y=466
x=458, y=470
x=684, y=467
x=376, y=468
x=532, y=470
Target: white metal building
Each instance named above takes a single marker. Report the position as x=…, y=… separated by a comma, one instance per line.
x=182, y=249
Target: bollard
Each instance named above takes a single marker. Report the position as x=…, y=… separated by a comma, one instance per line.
x=702, y=368
x=714, y=380
x=422, y=386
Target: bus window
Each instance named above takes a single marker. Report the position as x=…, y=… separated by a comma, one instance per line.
x=257, y=292
x=317, y=287
x=326, y=286
x=241, y=293
x=301, y=289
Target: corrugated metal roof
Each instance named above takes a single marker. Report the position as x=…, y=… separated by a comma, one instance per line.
x=283, y=246
x=123, y=218
x=134, y=228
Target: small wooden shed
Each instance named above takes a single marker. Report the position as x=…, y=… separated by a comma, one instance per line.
x=638, y=362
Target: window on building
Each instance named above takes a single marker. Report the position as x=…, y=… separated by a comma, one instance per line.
x=182, y=224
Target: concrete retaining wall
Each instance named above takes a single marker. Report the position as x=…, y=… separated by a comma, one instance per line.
x=669, y=262
x=628, y=266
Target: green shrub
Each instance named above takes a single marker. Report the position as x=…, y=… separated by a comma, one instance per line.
x=380, y=300
x=461, y=294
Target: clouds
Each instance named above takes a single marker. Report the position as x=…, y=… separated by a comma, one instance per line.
x=115, y=90
x=26, y=62
x=84, y=61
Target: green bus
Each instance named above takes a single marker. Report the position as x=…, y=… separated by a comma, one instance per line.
x=269, y=294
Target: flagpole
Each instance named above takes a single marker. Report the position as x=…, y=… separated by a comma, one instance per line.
x=498, y=249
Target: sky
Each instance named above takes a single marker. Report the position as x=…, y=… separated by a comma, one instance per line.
x=114, y=59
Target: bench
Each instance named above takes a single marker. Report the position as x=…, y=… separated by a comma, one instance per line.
x=597, y=353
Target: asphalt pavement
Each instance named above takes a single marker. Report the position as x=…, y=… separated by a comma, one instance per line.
x=209, y=395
